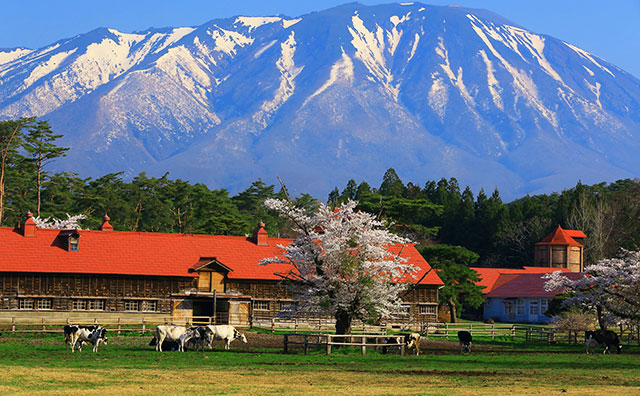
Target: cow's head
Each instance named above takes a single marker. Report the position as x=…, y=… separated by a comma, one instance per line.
x=239, y=336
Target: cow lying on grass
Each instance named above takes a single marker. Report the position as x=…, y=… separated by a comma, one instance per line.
x=464, y=339
x=76, y=336
x=227, y=333
x=607, y=338
x=411, y=340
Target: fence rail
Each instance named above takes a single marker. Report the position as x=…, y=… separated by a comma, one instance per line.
x=327, y=341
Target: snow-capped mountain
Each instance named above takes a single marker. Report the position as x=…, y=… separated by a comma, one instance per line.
x=342, y=93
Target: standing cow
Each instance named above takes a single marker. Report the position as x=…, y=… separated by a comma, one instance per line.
x=227, y=333
x=411, y=340
x=607, y=338
x=464, y=339
x=168, y=333
x=76, y=336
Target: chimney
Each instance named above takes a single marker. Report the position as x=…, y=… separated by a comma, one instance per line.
x=260, y=235
x=29, y=226
x=105, y=224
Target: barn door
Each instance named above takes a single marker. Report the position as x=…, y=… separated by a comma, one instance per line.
x=238, y=312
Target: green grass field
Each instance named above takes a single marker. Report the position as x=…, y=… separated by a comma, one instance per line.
x=41, y=364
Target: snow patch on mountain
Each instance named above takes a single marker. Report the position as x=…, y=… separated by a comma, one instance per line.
x=341, y=70
x=588, y=56
x=522, y=82
x=47, y=67
x=227, y=40
x=11, y=55
x=370, y=50
x=438, y=95
x=255, y=22
x=288, y=73
x=287, y=23
x=492, y=82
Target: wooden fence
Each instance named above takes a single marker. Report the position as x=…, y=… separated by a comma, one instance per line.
x=327, y=341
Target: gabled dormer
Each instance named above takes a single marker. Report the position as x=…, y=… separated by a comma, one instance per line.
x=71, y=240
x=212, y=274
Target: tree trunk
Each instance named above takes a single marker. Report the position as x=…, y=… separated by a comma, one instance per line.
x=452, y=310
x=343, y=322
x=601, y=321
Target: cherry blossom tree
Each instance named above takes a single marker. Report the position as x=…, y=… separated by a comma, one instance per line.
x=344, y=263
x=70, y=223
x=610, y=287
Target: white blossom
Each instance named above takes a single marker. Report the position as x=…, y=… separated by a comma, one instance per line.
x=70, y=223
x=343, y=261
x=610, y=284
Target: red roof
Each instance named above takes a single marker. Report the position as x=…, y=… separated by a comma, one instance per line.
x=155, y=254
x=493, y=278
x=527, y=285
x=562, y=237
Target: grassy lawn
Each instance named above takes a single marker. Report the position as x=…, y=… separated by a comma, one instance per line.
x=41, y=364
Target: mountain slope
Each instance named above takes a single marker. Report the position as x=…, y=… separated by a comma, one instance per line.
x=343, y=93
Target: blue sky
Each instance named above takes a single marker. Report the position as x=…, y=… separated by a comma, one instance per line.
x=609, y=29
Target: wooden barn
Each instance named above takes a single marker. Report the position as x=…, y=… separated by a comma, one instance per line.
x=99, y=273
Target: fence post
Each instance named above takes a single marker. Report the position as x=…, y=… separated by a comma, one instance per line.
x=470, y=328
x=273, y=325
x=44, y=328
x=446, y=329
x=143, y=326
x=513, y=331
x=13, y=325
x=364, y=345
x=493, y=331
x=119, y=326
x=328, y=344
x=401, y=342
x=306, y=344
x=295, y=325
x=285, y=340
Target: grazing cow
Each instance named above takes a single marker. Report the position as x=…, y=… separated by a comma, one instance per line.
x=227, y=333
x=196, y=335
x=168, y=333
x=607, y=338
x=166, y=345
x=76, y=336
x=464, y=339
x=411, y=340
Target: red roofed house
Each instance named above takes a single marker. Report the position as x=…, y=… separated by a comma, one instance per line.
x=518, y=295
x=105, y=273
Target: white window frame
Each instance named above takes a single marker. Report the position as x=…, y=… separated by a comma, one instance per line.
x=149, y=306
x=428, y=309
x=544, y=305
x=95, y=305
x=534, y=308
x=79, y=305
x=520, y=306
x=25, y=304
x=44, y=304
x=131, y=306
x=261, y=305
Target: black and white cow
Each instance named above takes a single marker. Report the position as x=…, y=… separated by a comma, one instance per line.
x=227, y=333
x=76, y=336
x=169, y=333
x=410, y=340
x=464, y=339
x=607, y=338
x=197, y=336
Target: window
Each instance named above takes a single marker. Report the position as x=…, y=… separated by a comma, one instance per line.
x=131, y=306
x=25, y=303
x=44, y=303
x=427, y=309
x=533, y=307
x=95, y=305
x=544, y=305
x=508, y=308
x=149, y=306
x=287, y=306
x=261, y=305
x=79, y=305
x=520, y=307
x=73, y=246
x=405, y=309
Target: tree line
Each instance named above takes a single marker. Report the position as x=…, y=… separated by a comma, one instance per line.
x=438, y=212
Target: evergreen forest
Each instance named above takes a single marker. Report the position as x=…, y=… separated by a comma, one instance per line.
x=429, y=212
